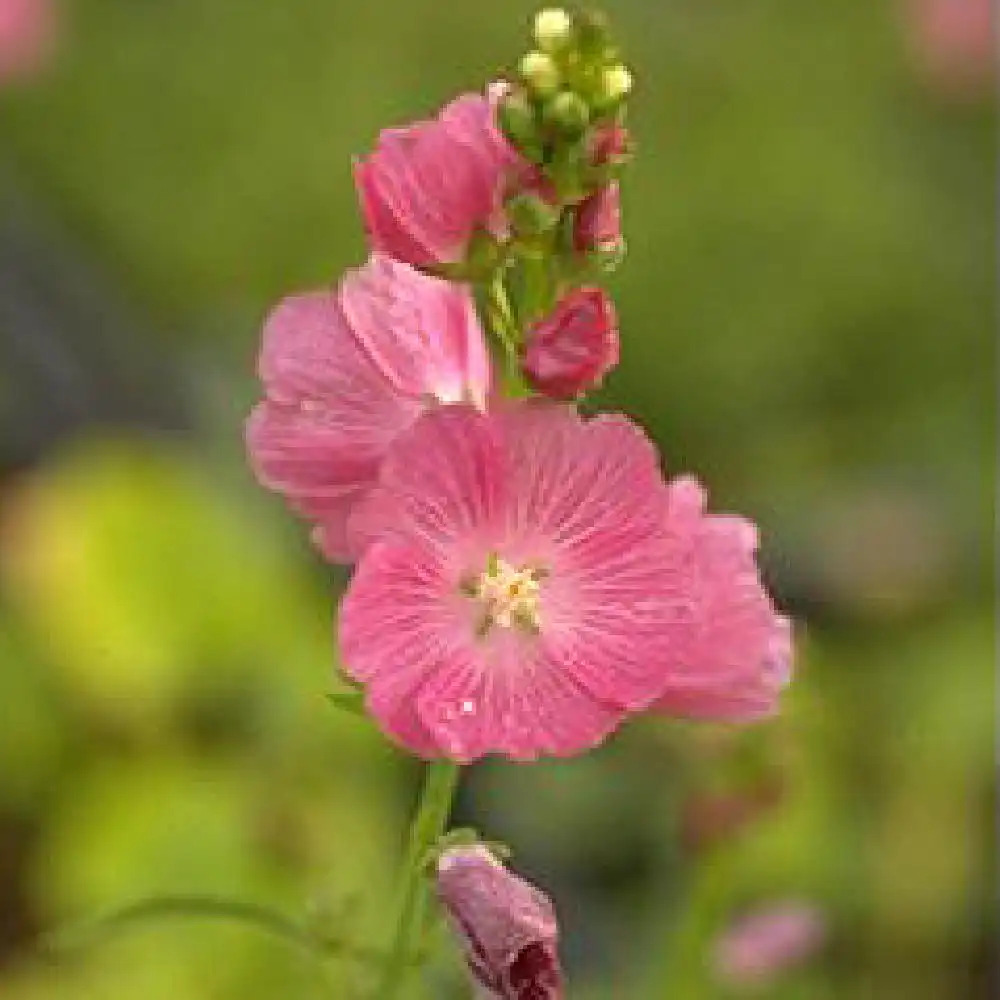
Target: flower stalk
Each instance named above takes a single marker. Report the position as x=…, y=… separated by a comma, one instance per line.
x=429, y=822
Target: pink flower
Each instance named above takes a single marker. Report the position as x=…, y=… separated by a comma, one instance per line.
x=953, y=43
x=427, y=188
x=574, y=347
x=739, y=659
x=27, y=28
x=520, y=595
x=758, y=947
x=346, y=372
x=598, y=224
x=507, y=928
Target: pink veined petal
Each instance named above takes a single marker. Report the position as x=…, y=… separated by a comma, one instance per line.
x=421, y=333
x=507, y=698
x=444, y=482
x=346, y=373
x=386, y=229
x=390, y=627
x=417, y=182
x=469, y=121
x=739, y=658
x=576, y=477
x=330, y=414
x=428, y=187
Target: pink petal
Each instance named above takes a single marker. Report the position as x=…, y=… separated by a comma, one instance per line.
x=346, y=373
x=739, y=658
x=427, y=188
x=387, y=231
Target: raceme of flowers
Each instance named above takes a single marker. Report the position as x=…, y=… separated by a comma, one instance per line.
x=525, y=577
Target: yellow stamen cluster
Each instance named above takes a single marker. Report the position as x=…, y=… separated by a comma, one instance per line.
x=508, y=595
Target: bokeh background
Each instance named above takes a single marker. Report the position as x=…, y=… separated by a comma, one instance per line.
x=808, y=312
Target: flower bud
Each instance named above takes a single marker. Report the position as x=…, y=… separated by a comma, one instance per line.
x=616, y=83
x=517, y=122
x=507, y=927
x=540, y=72
x=568, y=112
x=593, y=34
x=530, y=215
x=569, y=351
x=553, y=29
x=610, y=144
x=598, y=225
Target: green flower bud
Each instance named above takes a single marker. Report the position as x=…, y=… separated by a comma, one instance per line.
x=593, y=35
x=616, y=83
x=567, y=112
x=540, y=72
x=530, y=215
x=553, y=29
x=517, y=119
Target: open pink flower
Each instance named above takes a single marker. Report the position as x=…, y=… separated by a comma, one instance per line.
x=520, y=595
x=505, y=925
x=27, y=28
x=345, y=372
x=739, y=657
x=570, y=351
x=428, y=187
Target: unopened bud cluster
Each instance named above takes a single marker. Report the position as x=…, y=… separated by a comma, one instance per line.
x=566, y=92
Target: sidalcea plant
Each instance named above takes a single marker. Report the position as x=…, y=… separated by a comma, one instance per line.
x=525, y=577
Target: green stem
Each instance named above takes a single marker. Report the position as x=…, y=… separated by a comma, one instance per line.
x=428, y=825
x=504, y=325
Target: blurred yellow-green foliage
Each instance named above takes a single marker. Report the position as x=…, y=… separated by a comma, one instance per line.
x=807, y=310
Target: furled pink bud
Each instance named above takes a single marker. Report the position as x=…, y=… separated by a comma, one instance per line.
x=427, y=188
x=610, y=143
x=507, y=927
x=598, y=225
x=574, y=347
x=758, y=947
x=27, y=28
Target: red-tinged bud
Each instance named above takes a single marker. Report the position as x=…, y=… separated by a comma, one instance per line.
x=574, y=347
x=506, y=927
x=611, y=142
x=598, y=225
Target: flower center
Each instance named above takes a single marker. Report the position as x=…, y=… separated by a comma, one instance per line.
x=507, y=595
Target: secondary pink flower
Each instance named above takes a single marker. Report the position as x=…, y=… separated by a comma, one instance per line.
x=506, y=926
x=574, y=347
x=953, y=43
x=758, y=947
x=739, y=659
x=598, y=224
x=428, y=187
x=27, y=28
x=521, y=595
x=345, y=372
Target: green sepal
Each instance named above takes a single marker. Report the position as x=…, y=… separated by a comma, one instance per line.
x=530, y=215
x=348, y=700
x=464, y=836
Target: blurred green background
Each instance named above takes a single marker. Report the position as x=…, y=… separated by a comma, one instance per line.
x=807, y=312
